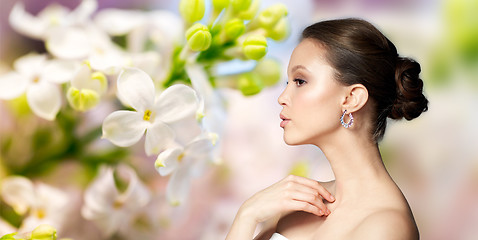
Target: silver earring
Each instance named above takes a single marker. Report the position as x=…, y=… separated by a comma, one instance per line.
x=349, y=124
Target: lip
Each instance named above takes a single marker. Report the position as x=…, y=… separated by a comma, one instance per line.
x=284, y=122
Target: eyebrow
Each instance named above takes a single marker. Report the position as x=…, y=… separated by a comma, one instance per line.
x=297, y=67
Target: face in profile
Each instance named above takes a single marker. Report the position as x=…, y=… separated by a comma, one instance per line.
x=312, y=99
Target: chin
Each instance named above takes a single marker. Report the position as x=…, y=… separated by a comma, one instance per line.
x=291, y=141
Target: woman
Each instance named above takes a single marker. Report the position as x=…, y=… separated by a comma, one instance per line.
x=345, y=79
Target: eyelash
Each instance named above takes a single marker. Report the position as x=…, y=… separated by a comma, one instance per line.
x=298, y=82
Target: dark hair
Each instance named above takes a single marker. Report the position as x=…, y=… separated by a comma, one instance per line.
x=361, y=54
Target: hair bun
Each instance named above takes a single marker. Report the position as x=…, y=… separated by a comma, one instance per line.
x=410, y=102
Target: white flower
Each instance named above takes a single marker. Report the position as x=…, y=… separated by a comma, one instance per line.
x=111, y=209
x=69, y=35
x=183, y=164
x=39, y=78
x=160, y=30
x=117, y=22
x=160, y=27
x=44, y=204
x=152, y=115
x=212, y=112
x=86, y=88
x=82, y=42
x=53, y=16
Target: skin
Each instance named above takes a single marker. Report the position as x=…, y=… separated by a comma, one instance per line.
x=363, y=202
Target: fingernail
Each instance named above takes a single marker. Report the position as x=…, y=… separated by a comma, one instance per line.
x=320, y=212
x=332, y=198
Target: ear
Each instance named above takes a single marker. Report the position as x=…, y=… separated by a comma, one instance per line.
x=356, y=96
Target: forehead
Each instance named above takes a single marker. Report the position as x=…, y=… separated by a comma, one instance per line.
x=308, y=53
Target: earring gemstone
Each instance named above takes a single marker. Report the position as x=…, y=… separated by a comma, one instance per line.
x=345, y=124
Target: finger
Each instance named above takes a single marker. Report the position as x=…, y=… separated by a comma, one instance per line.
x=295, y=186
x=312, y=199
x=313, y=184
x=301, y=192
x=305, y=193
x=304, y=206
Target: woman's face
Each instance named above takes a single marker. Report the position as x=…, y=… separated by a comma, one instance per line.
x=312, y=99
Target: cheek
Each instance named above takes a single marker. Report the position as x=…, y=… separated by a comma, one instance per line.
x=318, y=104
x=316, y=114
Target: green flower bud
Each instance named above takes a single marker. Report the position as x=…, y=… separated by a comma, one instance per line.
x=251, y=12
x=220, y=4
x=82, y=100
x=250, y=84
x=234, y=28
x=198, y=36
x=280, y=31
x=255, y=47
x=44, y=232
x=241, y=5
x=271, y=15
x=101, y=78
x=192, y=10
x=269, y=71
x=10, y=236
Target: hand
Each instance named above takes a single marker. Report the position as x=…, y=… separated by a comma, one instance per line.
x=291, y=194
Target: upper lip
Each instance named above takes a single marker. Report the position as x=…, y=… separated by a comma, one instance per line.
x=283, y=117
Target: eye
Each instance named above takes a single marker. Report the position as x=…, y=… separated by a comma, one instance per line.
x=299, y=82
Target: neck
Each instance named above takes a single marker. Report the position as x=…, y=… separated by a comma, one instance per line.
x=356, y=163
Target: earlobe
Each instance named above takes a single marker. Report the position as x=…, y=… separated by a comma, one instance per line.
x=356, y=97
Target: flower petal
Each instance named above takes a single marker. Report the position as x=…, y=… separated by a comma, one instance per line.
x=99, y=199
x=136, y=88
x=84, y=78
x=55, y=203
x=167, y=161
x=83, y=12
x=201, y=147
x=158, y=137
x=100, y=195
x=53, y=14
x=118, y=21
x=68, y=43
x=169, y=28
x=178, y=187
x=186, y=130
x=26, y=24
x=176, y=102
x=18, y=192
x=81, y=76
x=60, y=71
x=137, y=195
x=44, y=99
x=198, y=153
x=109, y=61
x=30, y=65
x=108, y=208
x=124, y=128
x=147, y=61
x=12, y=85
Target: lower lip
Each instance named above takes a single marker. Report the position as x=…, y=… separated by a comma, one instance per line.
x=283, y=123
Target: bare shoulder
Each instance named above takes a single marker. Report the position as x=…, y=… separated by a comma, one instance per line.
x=387, y=224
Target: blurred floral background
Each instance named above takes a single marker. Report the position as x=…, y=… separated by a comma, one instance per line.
x=72, y=150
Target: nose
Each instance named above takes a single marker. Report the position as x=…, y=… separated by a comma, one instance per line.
x=283, y=98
